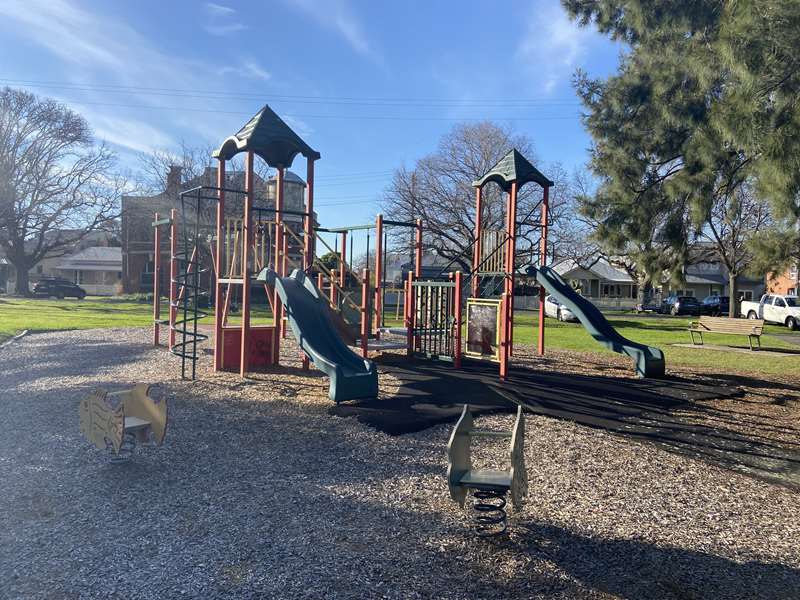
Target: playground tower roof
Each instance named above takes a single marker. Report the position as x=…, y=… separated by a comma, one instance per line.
x=268, y=136
x=513, y=167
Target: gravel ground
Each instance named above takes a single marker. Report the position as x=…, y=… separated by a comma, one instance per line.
x=259, y=493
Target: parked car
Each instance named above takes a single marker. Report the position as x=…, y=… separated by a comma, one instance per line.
x=680, y=305
x=774, y=308
x=715, y=306
x=553, y=308
x=60, y=288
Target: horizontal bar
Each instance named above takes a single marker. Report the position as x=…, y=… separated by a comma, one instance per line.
x=164, y=221
x=434, y=284
x=212, y=188
x=399, y=223
x=345, y=229
x=283, y=211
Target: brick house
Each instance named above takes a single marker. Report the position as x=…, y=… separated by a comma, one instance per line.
x=138, y=213
x=786, y=283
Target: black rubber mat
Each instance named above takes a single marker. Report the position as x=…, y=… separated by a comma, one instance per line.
x=434, y=392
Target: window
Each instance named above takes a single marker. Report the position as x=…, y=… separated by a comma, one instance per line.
x=39, y=269
x=780, y=303
x=747, y=295
x=793, y=302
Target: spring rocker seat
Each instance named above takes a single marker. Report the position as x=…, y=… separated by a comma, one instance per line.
x=489, y=486
x=117, y=420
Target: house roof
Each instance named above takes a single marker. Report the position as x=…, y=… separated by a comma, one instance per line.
x=94, y=258
x=601, y=270
x=513, y=167
x=268, y=136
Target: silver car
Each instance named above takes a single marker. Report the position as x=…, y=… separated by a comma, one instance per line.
x=553, y=308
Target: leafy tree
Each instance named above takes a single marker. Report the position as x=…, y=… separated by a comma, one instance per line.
x=56, y=187
x=330, y=260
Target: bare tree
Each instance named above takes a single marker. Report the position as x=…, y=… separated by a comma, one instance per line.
x=439, y=191
x=56, y=187
x=193, y=161
x=734, y=219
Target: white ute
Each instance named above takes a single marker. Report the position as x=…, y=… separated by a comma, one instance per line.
x=774, y=308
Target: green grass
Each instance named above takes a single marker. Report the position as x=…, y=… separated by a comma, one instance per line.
x=662, y=332
x=48, y=315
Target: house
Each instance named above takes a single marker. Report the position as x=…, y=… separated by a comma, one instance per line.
x=97, y=269
x=49, y=266
x=606, y=286
x=786, y=283
x=138, y=212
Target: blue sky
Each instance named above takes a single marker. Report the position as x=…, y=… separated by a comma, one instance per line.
x=371, y=85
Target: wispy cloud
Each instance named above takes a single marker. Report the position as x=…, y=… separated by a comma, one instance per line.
x=221, y=20
x=339, y=16
x=552, y=45
x=112, y=63
x=249, y=69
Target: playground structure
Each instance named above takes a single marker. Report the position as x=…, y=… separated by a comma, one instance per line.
x=117, y=420
x=489, y=486
x=229, y=235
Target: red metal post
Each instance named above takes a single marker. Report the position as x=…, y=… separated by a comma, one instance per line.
x=285, y=266
x=332, y=292
x=343, y=261
x=543, y=262
x=512, y=263
x=218, y=301
x=247, y=240
x=378, y=272
x=365, y=313
x=459, y=318
x=409, y=313
x=309, y=219
x=503, y=336
x=276, y=301
x=157, y=284
x=476, y=249
x=418, y=251
x=173, y=275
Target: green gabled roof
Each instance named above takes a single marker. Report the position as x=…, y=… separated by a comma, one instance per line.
x=513, y=167
x=268, y=136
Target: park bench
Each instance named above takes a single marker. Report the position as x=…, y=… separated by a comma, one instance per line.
x=752, y=328
x=117, y=420
x=489, y=486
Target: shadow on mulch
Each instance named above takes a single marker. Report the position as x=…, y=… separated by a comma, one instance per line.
x=433, y=393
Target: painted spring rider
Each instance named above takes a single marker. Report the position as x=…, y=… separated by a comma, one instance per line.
x=117, y=420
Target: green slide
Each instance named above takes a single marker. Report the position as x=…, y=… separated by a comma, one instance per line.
x=309, y=318
x=649, y=360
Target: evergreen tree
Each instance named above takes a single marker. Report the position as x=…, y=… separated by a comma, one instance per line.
x=704, y=102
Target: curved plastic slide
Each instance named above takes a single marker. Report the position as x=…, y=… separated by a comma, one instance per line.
x=649, y=360
x=310, y=320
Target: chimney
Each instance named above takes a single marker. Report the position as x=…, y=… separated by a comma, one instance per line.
x=174, y=180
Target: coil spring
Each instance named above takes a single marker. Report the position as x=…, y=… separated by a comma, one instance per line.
x=125, y=449
x=491, y=516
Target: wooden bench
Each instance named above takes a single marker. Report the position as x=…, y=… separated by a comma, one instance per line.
x=117, y=420
x=487, y=483
x=752, y=328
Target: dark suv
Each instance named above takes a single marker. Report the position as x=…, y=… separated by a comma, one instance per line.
x=60, y=288
x=715, y=306
x=680, y=305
